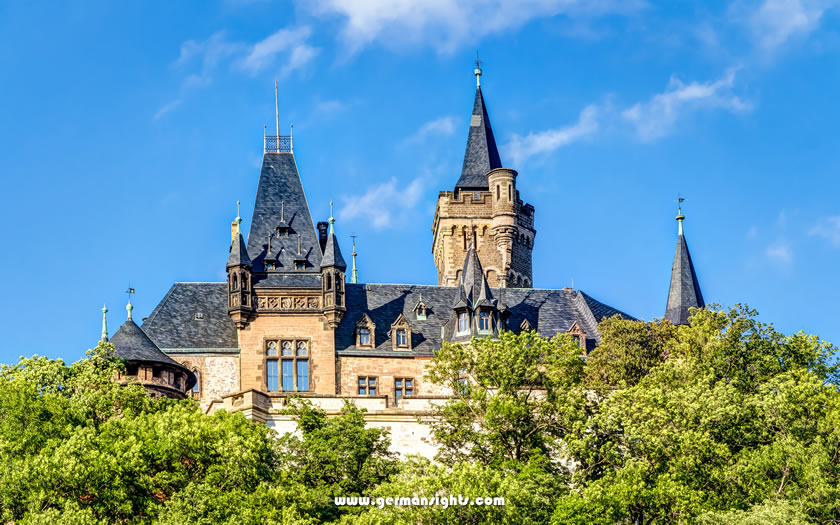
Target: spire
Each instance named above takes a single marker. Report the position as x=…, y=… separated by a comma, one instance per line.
x=332, y=253
x=685, y=289
x=129, y=307
x=238, y=253
x=354, y=275
x=473, y=288
x=104, y=337
x=481, y=154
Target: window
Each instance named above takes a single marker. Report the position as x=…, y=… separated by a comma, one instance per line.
x=364, y=336
x=197, y=386
x=403, y=387
x=300, y=266
x=282, y=231
x=199, y=316
x=402, y=337
x=484, y=321
x=269, y=266
x=367, y=386
x=463, y=322
x=328, y=282
x=235, y=282
x=497, y=192
x=510, y=194
x=287, y=367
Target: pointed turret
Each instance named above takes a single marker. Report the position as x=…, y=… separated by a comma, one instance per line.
x=685, y=289
x=474, y=311
x=238, y=253
x=239, y=269
x=481, y=155
x=146, y=363
x=332, y=277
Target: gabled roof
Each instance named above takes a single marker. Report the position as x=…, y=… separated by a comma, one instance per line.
x=685, y=289
x=238, y=253
x=280, y=187
x=481, y=155
x=332, y=254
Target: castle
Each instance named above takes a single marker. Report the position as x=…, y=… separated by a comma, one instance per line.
x=288, y=321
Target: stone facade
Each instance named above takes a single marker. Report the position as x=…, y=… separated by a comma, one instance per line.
x=497, y=221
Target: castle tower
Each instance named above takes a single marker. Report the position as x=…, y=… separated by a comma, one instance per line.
x=484, y=211
x=685, y=289
x=239, y=266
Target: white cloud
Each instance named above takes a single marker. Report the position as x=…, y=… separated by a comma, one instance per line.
x=780, y=252
x=166, y=108
x=520, y=148
x=290, y=41
x=776, y=21
x=443, y=126
x=448, y=24
x=384, y=203
x=657, y=117
x=829, y=229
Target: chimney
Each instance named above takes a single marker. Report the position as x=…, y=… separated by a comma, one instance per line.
x=323, y=227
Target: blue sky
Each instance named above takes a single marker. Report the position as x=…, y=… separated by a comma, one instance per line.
x=130, y=131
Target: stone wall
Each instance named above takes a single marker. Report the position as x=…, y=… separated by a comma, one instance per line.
x=386, y=370
x=217, y=375
x=286, y=326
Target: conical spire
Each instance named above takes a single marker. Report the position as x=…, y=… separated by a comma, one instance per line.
x=238, y=253
x=473, y=290
x=332, y=253
x=481, y=155
x=685, y=289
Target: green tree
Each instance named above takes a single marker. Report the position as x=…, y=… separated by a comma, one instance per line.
x=737, y=414
x=515, y=397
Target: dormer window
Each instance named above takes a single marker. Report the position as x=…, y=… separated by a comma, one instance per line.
x=199, y=316
x=401, y=333
x=282, y=231
x=420, y=310
x=578, y=334
x=364, y=336
x=365, y=332
x=484, y=322
x=463, y=323
x=269, y=266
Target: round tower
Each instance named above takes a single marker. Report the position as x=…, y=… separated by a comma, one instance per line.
x=502, y=183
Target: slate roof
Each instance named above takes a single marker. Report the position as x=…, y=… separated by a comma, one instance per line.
x=132, y=344
x=548, y=311
x=172, y=324
x=238, y=253
x=280, y=185
x=298, y=279
x=481, y=155
x=332, y=254
x=685, y=289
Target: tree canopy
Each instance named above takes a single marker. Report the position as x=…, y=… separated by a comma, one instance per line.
x=723, y=421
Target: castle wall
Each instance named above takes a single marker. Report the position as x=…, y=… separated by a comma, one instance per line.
x=218, y=376
x=267, y=327
x=386, y=369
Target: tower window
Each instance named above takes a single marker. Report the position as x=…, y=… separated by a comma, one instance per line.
x=463, y=322
x=497, y=192
x=402, y=337
x=510, y=193
x=367, y=386
x=484, y=321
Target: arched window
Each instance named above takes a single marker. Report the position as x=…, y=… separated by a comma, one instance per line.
x=235, y=282
x=196, y=389
x=328, y=281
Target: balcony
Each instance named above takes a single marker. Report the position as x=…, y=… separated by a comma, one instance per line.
x=278, y=144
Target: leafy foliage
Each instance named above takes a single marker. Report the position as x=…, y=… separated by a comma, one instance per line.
x=723, y=421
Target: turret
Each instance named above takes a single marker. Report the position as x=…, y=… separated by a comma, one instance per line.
x=239, y=267
x=332, y=277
